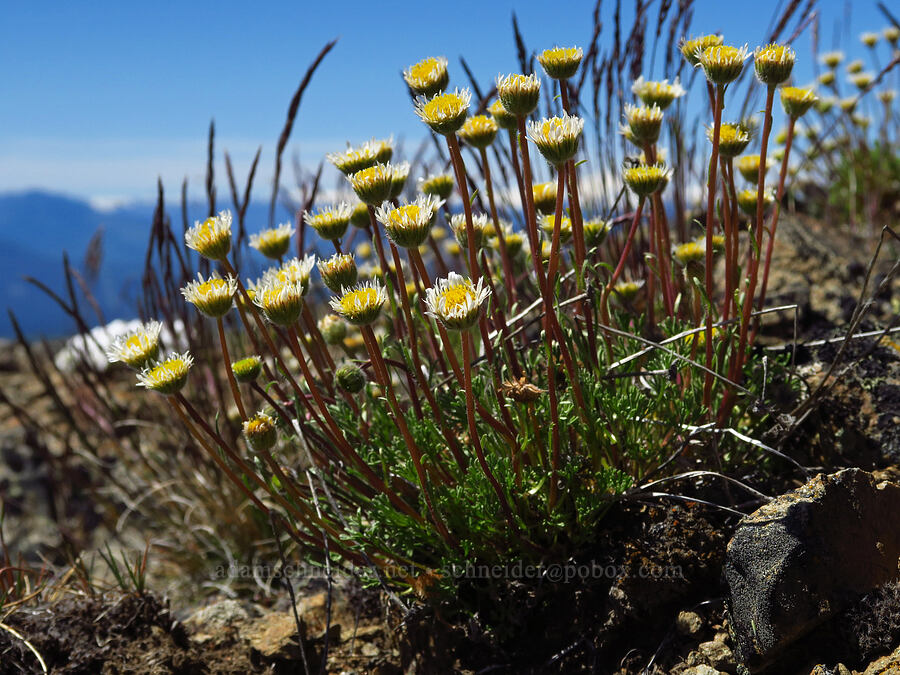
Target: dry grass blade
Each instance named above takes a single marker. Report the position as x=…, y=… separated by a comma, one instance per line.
x=289, y=125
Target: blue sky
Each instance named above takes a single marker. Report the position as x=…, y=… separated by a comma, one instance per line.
x=99, y=98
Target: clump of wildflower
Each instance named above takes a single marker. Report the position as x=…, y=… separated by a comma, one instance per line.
x=246, y=370
x=212, y=237
x=478, y=131
x=338, y=271
x=361, y=304
x=832, y=59
x=458, y=225
x=446, y=112
x=659, y=94
x=408, y=226
x=644, y=123
x=281, y=301
x=350, y=378
x=333, y=329
x=373, y=185
x=565, y=227
x=503, y=118
x=869, y=39
x=773, y=63
x=557, y=137
x=366, y=155
x=212, y=297
x=544, y=197
x=439, y=185
x=359, y=217
x=796, y=101
x=455, y=301
x=693, y=47
x=137, y=347
x=723, y=64
x=519, y=93
x=168, y=376
x=273, y=243
x=733, y=139
x=427, y=77
x=747, y=200
x=595, y=231
x=645, y=179
x=260, y=432
x=561, y=63
x=331, y=222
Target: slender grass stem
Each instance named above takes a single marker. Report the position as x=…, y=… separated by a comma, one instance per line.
x=235, y=392
x=711, y=186
x=459, y=170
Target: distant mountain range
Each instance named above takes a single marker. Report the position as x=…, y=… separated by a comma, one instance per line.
x=36, y=227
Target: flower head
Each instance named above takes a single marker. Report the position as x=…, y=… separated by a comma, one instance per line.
x=427, y=77
x=832, y=59
x=644, y=123
x=350, y=378
x=212, y=297
x=691, y=255
x=693, y=47
x=260, y=432
x=456, y=301
x=478, y=131
x=362, y=157
x=439, y=185
x=733, y=139
x=281, y=300
x=595, y=231
x=869, y=39
x=330, y=223
x=722, y=64
x=797, y=100
x=359, y=216
x=273, y=243
x=338, y=271
x=827, y=78
x=247, y=369
x=445, y=112
x=557, y=137
x=645, y=179
x=295, y=270
x=887, y=96
x=513, y=240
x=503, y=118
x=627, y=291
x=561, y=63
x=855, y=66
x=747, y=200
x=408, y=226
x=748, y=165
x=519, y=93
x=361, y=304
x=544, y=196
x=333, y=329
x=373, y=185
x=773, y=63
x=398, y=179
x=479, y=225
x=212, y=237
x=138, y=347
x=862, y=80
x=659, y=94
x=565, y=227
x=891, y=34
x=167, y=376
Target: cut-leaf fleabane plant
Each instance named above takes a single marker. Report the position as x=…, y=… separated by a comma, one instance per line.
x=487, y=404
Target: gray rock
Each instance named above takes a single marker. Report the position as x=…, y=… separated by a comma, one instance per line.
x=886, y=665
x=806, y=555
x=718, y=654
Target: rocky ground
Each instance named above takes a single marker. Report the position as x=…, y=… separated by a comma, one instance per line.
x=826, y=604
